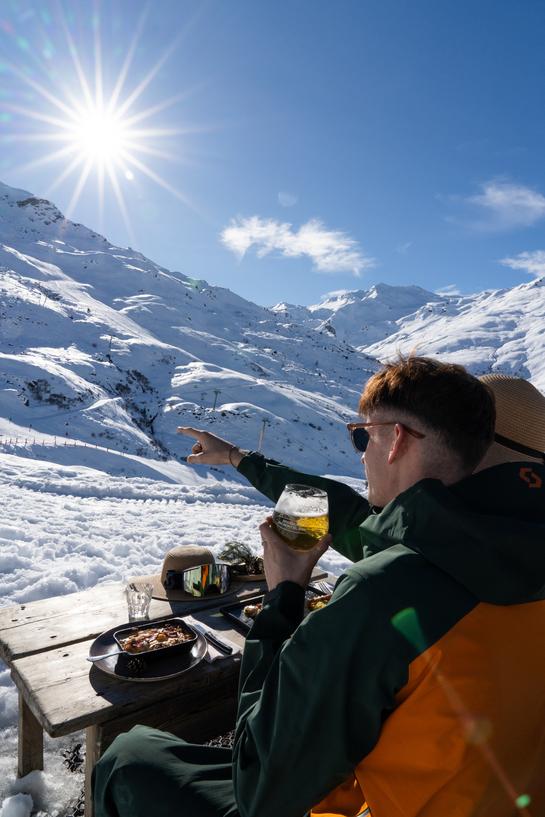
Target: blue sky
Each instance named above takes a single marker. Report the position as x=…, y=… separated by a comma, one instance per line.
x=307, y=146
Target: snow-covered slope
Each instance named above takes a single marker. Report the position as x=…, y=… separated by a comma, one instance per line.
x=99, y=345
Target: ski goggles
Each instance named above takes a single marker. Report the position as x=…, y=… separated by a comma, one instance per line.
x=200, y=581
x=359, y=436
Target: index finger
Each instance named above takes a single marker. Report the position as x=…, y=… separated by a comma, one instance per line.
x=190, y=432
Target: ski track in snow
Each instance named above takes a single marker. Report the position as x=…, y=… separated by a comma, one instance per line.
x=64, y=529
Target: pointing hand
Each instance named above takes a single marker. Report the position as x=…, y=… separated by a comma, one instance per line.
x=209, y=449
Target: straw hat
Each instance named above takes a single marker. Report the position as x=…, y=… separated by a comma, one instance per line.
x=179, y=559
x=520, y=414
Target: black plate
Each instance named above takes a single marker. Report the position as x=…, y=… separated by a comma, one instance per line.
x=234, y=612
x=160, y=668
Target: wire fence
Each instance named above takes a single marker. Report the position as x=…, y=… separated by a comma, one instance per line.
x=16, y=443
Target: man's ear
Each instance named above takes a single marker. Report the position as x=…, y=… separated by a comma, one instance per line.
x=398, y=444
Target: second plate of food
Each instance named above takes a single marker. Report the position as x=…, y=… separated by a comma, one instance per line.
x=244, y=612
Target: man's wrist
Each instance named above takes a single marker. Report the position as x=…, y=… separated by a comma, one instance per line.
x=235, y=455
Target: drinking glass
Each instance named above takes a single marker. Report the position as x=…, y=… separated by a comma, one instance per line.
x=138, y=601
x=301, y=516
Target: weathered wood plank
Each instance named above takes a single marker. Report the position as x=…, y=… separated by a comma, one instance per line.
x=80, y=622
x=67, y=694
x=52, y=623
x=30, y=755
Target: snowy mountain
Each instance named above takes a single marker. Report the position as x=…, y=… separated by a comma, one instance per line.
x=499, y=330
x=363, y=317
x=101, y=346
x=359, y=317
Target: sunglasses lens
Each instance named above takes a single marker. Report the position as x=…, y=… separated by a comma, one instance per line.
x=360, y=438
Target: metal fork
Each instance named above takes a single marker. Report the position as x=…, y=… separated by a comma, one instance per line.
x=323, y=587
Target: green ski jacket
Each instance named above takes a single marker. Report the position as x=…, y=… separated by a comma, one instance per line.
x=419, y=690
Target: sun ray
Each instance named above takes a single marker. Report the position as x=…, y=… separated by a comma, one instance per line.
x=45, y=160
x=148, y=78
x=33, y=137
x=41, y=90
x=64, y=175
x=32, y=114
x=78, y=188
x=100, y=190
x=142, y=132
x=138, y=147
x=120, y=201
x=161, y=106
x=75, y=57
x=128, y=60
x=99, y=92
x=159, y=180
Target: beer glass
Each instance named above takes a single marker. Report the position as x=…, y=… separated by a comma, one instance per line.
x=301, y=516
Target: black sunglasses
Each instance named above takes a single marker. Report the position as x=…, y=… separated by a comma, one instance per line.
x=359, y=435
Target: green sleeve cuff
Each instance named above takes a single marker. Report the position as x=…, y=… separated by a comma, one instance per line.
x=288, y=600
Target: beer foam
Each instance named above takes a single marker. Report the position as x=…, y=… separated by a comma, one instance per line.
x=300, y=505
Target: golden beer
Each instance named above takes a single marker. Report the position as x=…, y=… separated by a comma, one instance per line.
x=301, y=516
x=300, y=533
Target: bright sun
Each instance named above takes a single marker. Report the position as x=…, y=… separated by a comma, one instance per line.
x=100, y=133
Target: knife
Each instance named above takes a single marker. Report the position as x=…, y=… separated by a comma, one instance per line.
x=213, y=639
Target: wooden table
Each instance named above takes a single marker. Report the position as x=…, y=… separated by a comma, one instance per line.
x=45, y=644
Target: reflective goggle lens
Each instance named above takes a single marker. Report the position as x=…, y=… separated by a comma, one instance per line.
x=360, y=438
x=203, y=580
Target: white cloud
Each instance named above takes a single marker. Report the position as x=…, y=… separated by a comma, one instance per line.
x=506, y=206
x=329, y=250
x=449, y=290
x=532, y=262
x=403, y=248
x=287, y=199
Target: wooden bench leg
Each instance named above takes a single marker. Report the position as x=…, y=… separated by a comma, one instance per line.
x=93, y=750
x=30, y=741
